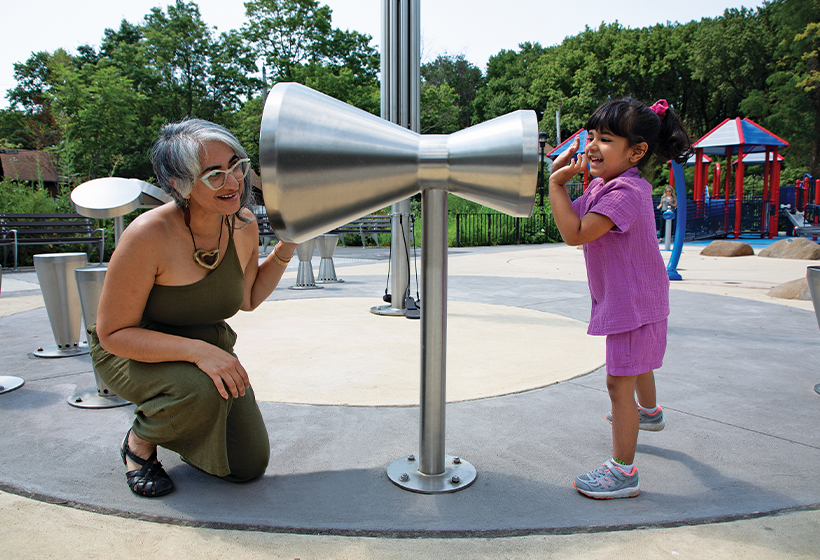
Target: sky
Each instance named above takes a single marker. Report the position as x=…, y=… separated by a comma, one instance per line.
x=477, y=29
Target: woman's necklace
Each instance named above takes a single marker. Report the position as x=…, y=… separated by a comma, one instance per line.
x=206, y=259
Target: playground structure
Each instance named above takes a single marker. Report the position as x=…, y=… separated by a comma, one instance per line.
x=749, y=144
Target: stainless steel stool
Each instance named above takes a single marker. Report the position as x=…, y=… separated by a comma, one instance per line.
x=327, y=246
x=55, y=273
x=304, y=277
x=89, y=285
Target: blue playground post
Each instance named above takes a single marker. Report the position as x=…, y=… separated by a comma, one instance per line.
x=680, y=227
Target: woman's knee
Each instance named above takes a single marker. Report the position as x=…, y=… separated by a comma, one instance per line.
x=252, y=465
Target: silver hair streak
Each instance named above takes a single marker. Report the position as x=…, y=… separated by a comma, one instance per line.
x=176, y=156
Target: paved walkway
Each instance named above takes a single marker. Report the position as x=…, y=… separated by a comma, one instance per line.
x=727, y=478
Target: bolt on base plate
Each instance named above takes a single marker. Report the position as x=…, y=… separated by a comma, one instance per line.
x=458, y=474
x=817, y=388
x=91, y=398
x=9, y=383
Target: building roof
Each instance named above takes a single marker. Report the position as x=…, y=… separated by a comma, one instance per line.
x=27, y=165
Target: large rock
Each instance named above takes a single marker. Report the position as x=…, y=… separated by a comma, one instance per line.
x=726, y=248
x=796, y=289
x=793, y=248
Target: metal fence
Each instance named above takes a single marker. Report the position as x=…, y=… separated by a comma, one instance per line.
x=499, y=229
x=704, y=220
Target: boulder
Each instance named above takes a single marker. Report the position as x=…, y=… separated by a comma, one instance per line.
x=726, y=248
x=793, y=248
x=796, y=289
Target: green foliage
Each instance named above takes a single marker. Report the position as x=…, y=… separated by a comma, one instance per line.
x=462, y=77
x=439, y=112
x=23, y=198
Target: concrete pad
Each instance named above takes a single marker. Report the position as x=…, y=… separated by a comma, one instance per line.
x=12, y=305
x=334, y=351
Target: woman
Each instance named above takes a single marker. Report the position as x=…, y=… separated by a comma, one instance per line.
x=160, y=340
x=668, y=200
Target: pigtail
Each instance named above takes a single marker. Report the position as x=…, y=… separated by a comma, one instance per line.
x=673, y=140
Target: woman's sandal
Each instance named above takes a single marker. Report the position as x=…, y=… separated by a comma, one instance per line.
x=149, y=481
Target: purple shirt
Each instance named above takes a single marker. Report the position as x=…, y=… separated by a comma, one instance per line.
x=627, y=277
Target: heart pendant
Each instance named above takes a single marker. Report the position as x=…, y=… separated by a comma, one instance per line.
x=207, y=259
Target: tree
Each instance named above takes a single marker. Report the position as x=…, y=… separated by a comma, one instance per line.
x=97, y=107
x=789, y=102
x=287, y=33
x=439, y=109
x=731, y=57
x=463, y=78
x=509, y=84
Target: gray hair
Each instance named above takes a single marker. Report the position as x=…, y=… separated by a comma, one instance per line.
x=176, y=155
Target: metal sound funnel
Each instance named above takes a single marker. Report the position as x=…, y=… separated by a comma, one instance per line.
x=325, y=163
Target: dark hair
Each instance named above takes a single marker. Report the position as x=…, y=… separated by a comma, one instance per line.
x=626, y=117
x=176, y=154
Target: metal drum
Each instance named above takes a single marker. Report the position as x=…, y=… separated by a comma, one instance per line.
x=89, y=286
x=55, y=273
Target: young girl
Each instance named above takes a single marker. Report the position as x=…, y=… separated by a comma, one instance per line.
x=614, y=221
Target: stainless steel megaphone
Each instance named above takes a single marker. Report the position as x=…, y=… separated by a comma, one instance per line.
x=325, y=163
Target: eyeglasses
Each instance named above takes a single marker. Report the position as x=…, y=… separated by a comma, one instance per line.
x=217, y=178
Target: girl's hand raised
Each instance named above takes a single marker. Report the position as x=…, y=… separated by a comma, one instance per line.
x=565, y=167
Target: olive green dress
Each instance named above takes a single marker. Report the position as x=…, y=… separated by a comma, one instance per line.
x=178, y=406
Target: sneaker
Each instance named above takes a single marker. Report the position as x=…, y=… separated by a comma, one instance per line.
x=648, y=422
x=607, y=482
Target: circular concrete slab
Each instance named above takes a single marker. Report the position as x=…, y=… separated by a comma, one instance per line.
x=333, y=351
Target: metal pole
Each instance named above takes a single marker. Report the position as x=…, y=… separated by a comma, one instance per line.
x=434, y=472
x=401, y=95
x=433, y=330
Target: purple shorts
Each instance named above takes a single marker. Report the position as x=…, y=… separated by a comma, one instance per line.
x=636, y=352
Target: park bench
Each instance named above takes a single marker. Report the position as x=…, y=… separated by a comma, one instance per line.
x=372, y=225
x=19, y=230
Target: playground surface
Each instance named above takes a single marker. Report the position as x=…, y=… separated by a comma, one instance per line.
x=730, y=476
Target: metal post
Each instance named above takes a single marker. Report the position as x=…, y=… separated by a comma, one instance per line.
x=433, y=330
x=434, y=472
x=401, y=104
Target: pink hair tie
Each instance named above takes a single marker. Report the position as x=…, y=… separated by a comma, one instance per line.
x=659, y=108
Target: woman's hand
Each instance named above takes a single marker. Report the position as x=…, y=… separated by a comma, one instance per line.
x=224, y=370
x=565, y=167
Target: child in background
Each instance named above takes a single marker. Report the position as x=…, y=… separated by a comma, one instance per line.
x=614, y=220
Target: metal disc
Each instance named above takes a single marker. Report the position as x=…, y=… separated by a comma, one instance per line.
x=458, y=474
x=9, y=383
x=387, y=310
x=91, y=398
x=817, y=388
x=107, y=197
x=54, y=352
